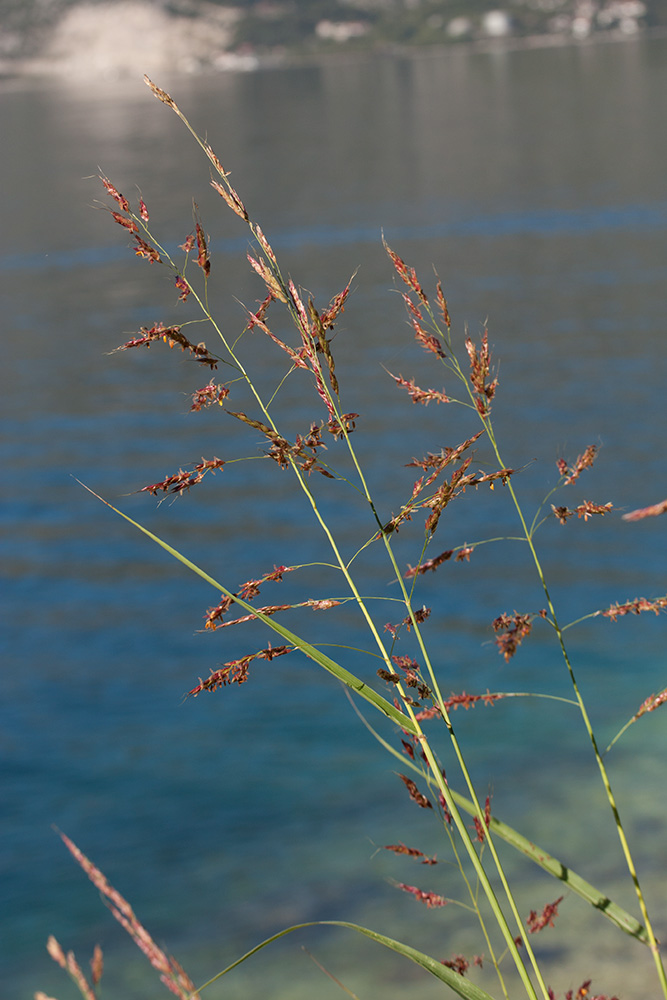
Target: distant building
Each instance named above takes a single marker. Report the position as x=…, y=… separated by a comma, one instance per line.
x=340, y=31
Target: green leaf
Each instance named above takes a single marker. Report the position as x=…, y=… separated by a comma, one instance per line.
x=350, y=680
x=612, y=911
x=459, y=984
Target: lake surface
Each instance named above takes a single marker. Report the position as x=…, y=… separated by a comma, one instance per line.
x=534, y=182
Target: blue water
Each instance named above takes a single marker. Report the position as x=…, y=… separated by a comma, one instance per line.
x=226, y=817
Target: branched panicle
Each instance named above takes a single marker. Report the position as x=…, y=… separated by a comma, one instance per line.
x=510, y=631
x=181, y=480
x=173, y=336
x=571, y=473
x=302, y=453
x=216, y=614
x=209, y=394
x=236, y=671
x=465, y=700
x=635, y=607
x=586, y=509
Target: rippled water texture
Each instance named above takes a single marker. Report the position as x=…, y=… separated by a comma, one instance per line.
x=534, y=182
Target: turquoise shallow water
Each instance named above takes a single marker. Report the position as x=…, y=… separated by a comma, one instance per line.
x=534, y=183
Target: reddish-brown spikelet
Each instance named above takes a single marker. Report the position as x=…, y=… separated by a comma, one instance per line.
x=423, y=396
x=537, y=922
x=268, y=277
x=459, y=963
x=442, y=302
x=232, y=199
x=480, y=369
x=653, y=511
x=414, y=793
x=182, y=480
x=97, y=965
x=209, y=394
x=161, y=95
x=126, y=223
x=430, y=899
x=336, y=306
x=258, y=316
x=270, y=609
x=215, y=161
x=586, y=509
x=203, y=259
x=170, y=335
x=188, y=244
x=428, y=713
x=257, y=319
x=116, y=195
x=215, y=614
x=402, y=849
x=467, y=701
x=236, y=671
x=56, y=952
x=510, y=631
x=318, y=332
x=143, y=211
x=408, y=274
x=183, y=287
x=75, y=971
x=652, y=702
x=584, y=461
x=144, y=249
x=430, y=564
x=264, y=243
x=635, y=607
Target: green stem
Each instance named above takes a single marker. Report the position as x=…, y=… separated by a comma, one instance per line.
x=653, y=943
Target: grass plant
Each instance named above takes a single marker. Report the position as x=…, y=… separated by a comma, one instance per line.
x=408, y=710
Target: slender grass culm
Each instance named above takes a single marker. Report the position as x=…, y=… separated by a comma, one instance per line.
x=418, y=729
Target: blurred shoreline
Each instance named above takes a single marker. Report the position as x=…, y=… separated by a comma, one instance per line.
x=86, y=46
